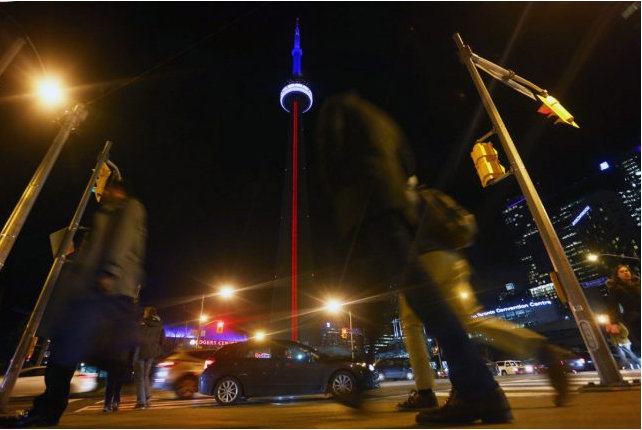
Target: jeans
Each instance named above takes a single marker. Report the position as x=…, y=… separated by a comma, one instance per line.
x=391, y=241
x=142, y=370
x=452, y=275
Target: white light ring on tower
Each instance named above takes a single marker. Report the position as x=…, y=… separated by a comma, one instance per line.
x=296, y=88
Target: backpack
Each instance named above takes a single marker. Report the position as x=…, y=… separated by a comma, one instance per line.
x=444, y=220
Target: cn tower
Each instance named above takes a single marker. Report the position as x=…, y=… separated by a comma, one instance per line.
x=296, y=99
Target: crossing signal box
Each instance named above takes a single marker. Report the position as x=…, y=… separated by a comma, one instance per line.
x=487, y=163
x=219, y=327
x=101, y=181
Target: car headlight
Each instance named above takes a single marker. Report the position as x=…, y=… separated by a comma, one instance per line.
x=371, y=367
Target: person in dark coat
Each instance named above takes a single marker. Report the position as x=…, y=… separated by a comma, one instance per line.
x=623, y=292
x=96, y=321
x=365, y=163
x=151, y=337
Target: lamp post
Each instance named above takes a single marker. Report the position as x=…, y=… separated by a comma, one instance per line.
x=335, y=306
x=20, y=213
x=226, y=292
x=595, y=257
x=591, y=334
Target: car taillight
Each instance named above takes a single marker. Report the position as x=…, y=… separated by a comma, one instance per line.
x=86, y=375
x=208, y=363
x=166, y=364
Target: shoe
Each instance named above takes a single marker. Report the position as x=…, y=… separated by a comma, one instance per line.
x=24, y=419
x=492, y=408
x=416, y=401
x=107, y=409
x=140, y=406
x=114, y=407
x=553, y=358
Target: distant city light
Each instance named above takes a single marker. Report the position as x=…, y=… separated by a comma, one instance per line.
x=510, y=286
x=203, y=318
x=226, y=291
x=463, y=295
x=592, y=258
x=581, y=215
x=604, y=165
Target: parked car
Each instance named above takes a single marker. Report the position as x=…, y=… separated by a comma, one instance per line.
x=179, y=372
x=280, y=368
x=510, y=367
x=394, y=368
x=31, y=382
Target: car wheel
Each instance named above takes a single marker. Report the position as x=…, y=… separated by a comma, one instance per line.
x=504, y=373
x=186, y=387
x=342, y=384
x=227, y=391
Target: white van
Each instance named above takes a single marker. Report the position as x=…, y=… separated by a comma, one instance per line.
x=510, y=367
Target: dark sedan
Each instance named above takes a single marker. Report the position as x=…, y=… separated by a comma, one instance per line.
x=280, y=368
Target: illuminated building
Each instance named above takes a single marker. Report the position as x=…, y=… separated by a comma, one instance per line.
x=630, y=192
x=294, y=254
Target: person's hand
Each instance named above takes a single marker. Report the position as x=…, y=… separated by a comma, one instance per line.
x=612, y=329
x=106, y=284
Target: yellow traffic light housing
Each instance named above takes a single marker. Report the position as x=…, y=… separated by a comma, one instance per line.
x=487, y=163
x=552, y=107
x=344, y=333
x=101, y=181
x=219, y=327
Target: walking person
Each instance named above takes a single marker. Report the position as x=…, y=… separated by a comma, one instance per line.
x=94, y=316
x=623, y=299
x=150, y=342
x=366, y=162
x=117, y=374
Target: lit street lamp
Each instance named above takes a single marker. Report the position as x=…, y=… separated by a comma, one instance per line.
x=335, y=306
x=226, y=292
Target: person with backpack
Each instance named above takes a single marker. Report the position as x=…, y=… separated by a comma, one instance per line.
x=365, y=163
x=151, y=337
x=454, y=228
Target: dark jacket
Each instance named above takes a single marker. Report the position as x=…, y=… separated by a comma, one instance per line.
x=365, y=161
x=627, y=296
x=151, y=336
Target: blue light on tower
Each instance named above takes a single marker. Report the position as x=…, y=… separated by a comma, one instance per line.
x=296, y=89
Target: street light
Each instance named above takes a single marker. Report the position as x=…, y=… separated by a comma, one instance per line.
x=595, y=257
x=335, y=306
x=226, y=292
x=50, y=92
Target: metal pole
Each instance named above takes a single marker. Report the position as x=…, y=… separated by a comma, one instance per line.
x=18, y=358
x=19, y=215
x=200, y=322
x=593, y=338
x=43, y=350
x=8, y=57
x=351, y=339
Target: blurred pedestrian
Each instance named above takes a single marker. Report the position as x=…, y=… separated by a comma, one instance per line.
x=117, y=374
x=96, y=321
x=151, y=337
x=623, y=300
x=365, y=162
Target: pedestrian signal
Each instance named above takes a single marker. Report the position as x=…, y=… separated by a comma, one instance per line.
x=487, y=163
x=552, y=107
x=344, y=333
x=219, y=327
x=101, y=181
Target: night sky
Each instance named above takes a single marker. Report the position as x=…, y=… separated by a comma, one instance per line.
x=188, y=93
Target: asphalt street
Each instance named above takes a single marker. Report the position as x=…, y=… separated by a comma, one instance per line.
x=530, y=397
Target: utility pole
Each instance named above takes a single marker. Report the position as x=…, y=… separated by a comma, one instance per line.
x=593, y=338
x=20, y=213
x=15, y=365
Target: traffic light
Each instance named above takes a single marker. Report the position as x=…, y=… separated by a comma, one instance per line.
x=552, y=107
x=486, y=162
x=101, y=181
x=219, y=327
x=344, y=333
